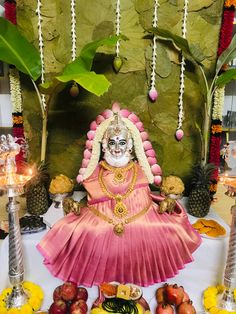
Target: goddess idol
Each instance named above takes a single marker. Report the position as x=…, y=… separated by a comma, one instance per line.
x=120, y=235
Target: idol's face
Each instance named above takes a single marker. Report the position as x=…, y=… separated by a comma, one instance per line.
x=117, y=146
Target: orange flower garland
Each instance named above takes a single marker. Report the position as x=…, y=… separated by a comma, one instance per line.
x=229, y=3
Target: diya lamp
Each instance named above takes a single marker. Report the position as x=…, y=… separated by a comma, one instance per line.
x=227, y=300
x=12, y=183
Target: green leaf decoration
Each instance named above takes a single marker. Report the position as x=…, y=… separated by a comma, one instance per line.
x=226, y=77
x=85, y=60
x=15, y=49
x=192, y=53
x=94, y=83
x=79, y=70
x=227, y=55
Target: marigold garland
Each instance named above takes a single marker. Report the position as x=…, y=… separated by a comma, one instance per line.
x=229, y=3
x=210, y=300
x=34, y=303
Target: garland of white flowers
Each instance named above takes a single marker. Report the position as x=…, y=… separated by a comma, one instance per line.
x=41, y=45
x=153, y=92
x=217, y=110
x=179, y=132
x=118, y=17
x=73, y=30
x=15, y=90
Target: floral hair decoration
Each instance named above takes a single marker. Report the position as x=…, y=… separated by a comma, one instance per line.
x=142, y=146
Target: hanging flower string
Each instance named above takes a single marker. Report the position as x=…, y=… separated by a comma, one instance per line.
x=117, y=62
x=179, y=132
x=16, y=99
x=153, y=92
x=226, y=32
x=74, y=90
x=41, y=45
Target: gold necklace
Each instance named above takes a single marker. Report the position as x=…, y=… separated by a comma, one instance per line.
x=119, y=172
x=120, y=210
x=119, y=227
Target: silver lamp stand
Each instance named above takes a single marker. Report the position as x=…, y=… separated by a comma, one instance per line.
x=12, y=184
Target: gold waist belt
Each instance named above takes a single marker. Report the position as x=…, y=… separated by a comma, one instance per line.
x=119, y=226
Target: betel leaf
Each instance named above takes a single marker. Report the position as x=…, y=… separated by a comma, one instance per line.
x=227, y=55
x=192, y=53
x=15, y=49
x=226, y=77
x=94, y=83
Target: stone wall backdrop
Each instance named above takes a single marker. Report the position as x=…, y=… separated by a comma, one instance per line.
x=69, y=118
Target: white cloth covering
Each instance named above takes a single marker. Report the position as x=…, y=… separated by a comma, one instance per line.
x=206, y=269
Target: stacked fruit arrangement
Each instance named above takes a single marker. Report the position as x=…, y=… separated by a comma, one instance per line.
x=171, y=298
x=69, y=299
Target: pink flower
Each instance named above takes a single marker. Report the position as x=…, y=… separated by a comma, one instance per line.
x=85, y=163
x=89, y=144
x=99, y=119
x=93, y=126
x=144, y=136
x=79, y=178
x=147, y=145
x=91, y=135
x=87, y=154
x=132, y=117
x=156, y=169
x=179, y=134
x=152, y=161
x=125, y=113
x=153, y=94
x=107, y=113
x=150, y=153
x=157, y=180
x=116, y=107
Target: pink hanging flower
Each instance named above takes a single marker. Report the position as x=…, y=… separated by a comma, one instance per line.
x=179, y=134
x=153, y=94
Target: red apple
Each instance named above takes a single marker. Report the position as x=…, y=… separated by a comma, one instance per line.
x=82, y=294
x=57, y=294
x=68, y=291
x=58, y=307
x=79, y=307
x=164, y=308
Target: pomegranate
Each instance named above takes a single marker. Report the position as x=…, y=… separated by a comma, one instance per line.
x=186, y=297
x=164, y=308
x=186, y=308
x=161, y=294
x=68, y=291
x=174, y=294
x=58, y=307
x=57, y=294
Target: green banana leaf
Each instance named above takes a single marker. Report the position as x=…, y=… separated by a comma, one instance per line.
x=92, y=82
x=79, y=70
x=190, y=52
x=227, y=55
x=15, y=49
x=226, y=77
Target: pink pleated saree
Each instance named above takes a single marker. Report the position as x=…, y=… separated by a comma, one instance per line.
x=84, y=249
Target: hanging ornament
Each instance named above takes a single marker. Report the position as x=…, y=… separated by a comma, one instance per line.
x=117, y=62
x=41, y=45
x=74, y=90
x=179, y=132
x=153, y=92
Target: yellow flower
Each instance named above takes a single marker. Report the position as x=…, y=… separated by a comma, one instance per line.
x=3, y=310
x=6, y=292
x=209, y=302
x=13, y=311
x=220, y=288
x=223, y=312
x=2, y=303
x=214, y=310
x=26, y=309
x=35, y=303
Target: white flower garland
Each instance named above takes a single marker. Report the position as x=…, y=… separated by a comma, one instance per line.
x=182, y=69
x=218, y=103
x=41, y=45
x=118, y=17
x=15, y=90
x=153, y=92
x=73, y=30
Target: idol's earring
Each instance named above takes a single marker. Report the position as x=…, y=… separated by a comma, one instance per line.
x=179, y=132
x=153, y=92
